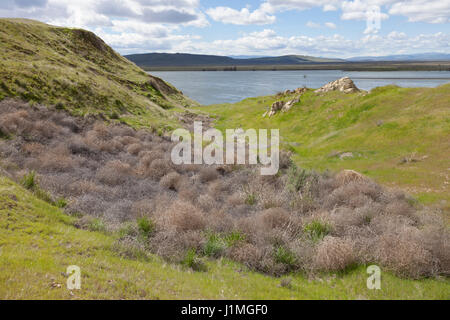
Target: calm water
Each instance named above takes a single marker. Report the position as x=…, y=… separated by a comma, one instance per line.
x=227, y=86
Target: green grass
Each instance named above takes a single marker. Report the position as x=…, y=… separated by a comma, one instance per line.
x=317, y=230
x=72, y=69
x=38, y=242
x=380, y=129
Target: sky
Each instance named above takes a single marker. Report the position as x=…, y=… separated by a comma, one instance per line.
x=325, y=28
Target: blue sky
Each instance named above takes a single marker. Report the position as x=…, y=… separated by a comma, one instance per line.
x=330, y=28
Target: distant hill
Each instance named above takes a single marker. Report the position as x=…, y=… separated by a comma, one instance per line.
x=188, y=60
x=430, y=56
x=75, y=70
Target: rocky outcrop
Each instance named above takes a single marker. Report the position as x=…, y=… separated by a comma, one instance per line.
x=300, y=90
x=276, y=106
x=288, y=105
x=285, y=106
x=345, y=85
x=281, y=106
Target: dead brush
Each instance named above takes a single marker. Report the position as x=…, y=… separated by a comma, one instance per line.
x=134, y=148
x=334, y=254
x=114, y=173
x=298, y=220
x=208, y=174
x=171, y=181
x=403, y=256
x=182, y=216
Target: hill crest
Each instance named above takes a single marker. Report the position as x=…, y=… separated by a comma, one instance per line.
x=76, y=70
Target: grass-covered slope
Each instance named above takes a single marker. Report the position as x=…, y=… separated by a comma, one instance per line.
x=399, y=136
x=38, y=242
x=75, y=70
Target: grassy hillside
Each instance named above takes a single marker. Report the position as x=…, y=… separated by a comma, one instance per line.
x=73, y=69
x=38, y=242
x=398, y=136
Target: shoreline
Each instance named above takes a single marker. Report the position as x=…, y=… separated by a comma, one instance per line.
x=356, y=66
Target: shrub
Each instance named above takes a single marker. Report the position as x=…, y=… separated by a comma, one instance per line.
x=183, y=216
x=215, y=246
x=399, y=207
x=158, y=168
x=42, y=194
x=142, y=208
x=300, y=179
x=285, y=256
x=250, y=199
x=33, y=148
x=234, y=238
x=146, y=226
x=61, y=203
x=134, y=148
x=274, y=218
x=115, y=172
x=248, y=254
x=96, y=224
x=29, y=180
x=317, y=230
x=191, y=260
x=119, y=211
x=56, y=161
x=207, y=203
x=404, y=256
x=129, y=248
x=334, y=254
x=128, y=229
x=235, y=199
x=208, y=174
x=112, y=173
x=170, y=181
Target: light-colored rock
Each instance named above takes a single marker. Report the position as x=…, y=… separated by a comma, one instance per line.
x=346, y=155
x=282, y=106
x=345, y=85
x=276, y=106
x=300, y=90
x=288, y=105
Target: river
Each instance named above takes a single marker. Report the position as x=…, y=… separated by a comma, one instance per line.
x=211, y=87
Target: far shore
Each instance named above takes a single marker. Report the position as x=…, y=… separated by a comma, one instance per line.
x=346, y=66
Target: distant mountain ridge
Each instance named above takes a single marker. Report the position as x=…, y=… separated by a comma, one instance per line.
x=197, y=60
x=185, y=59
x=429, y=56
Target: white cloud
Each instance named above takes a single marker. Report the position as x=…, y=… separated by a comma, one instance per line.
x=241, y=17
x=281, y=5
x=431, y=11
x=157, y=25
x=395, y=35
x=362, y=9
x=128, y=25
x=311, y=24
x=329, y=7
x=91, y=14
x=267, y=42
